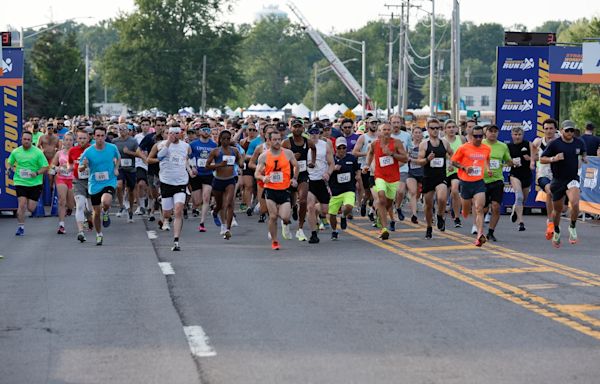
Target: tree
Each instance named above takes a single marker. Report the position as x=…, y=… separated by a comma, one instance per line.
x=57, y=75
x=157, y=60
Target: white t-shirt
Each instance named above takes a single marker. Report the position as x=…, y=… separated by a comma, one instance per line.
x=139, y=162
x=320, y=167
x=173, y=169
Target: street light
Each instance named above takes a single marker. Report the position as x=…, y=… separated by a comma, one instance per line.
x=321, y=71
x=58, y=24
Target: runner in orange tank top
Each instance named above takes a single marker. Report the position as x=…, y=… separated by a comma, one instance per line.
x=387, y=153
x=274, y=170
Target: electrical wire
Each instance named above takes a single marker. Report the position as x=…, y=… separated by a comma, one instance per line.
x=415, y=52
x=416, y=74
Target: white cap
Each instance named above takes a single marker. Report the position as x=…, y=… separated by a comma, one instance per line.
x=174, y=129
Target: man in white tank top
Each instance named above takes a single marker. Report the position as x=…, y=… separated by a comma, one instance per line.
x=318, y=190
x=361, y=149
x=173, y=154
x=543, y=173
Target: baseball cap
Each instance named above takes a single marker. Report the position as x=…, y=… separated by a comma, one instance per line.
x=373, y=120
x=297, y=122
x=174, y=129
x=323, y=117
x=341, y=141
x=315, y=127
x=281, y=126
x=568, y=124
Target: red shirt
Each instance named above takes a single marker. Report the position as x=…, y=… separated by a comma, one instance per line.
x=386, y=166
x=74, y=155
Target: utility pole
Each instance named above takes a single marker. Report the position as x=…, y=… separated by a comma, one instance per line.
x=468, y=76
x=405, y=62
x=455, y=62
x=400, y=63
x=204, y=85
x=87, y=81
x=390, y=60
x=438, y=77
x=432, y=60
x=315, y=68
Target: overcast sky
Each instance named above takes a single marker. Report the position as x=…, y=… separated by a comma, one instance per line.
x=328, y=15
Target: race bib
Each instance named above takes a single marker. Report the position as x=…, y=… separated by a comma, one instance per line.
x=437, y=162
x=343, y=177
x=84, y=174
x=229, y=159
x=276, y=177
x=302, y=165
x=474, y=171
x=413, y=165
x=494, y=164
x=126, y=163
x=64, y=171
x=386, y=161
x=177, y=160
x=516, y=161
x=25, y=173
x=202, y=163
x=101, y=176
x=573, y=184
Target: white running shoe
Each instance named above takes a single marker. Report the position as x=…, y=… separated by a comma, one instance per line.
x=300, y=235
x=166, y=226
x=138, y=211
x=474, y=230
x=120, y=212
x=285, y=231
x=487, y=218
x=234, y=223
x=269, y=235
x=223, y=229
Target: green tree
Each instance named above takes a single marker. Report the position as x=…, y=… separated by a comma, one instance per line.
x=157, y=60
x=57, y=75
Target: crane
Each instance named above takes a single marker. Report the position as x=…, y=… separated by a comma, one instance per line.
x=336, y=64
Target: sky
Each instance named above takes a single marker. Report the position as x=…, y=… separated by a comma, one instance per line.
x=327, y=16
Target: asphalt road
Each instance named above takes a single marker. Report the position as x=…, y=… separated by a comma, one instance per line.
x=353, y=311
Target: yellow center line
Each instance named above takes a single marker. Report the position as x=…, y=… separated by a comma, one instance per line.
x=502, y=271
x=441, y=248
x=506, y=291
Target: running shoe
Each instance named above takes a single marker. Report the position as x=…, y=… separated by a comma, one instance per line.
x=295, y=212
x=325, y=222
x=441, y=223
x=371, y=215
x=491, y=236
x=227, y=235
x=61, y=230
x=105, y=219
x=262, y=218
x=130, y=218
x=275, y=245
x=166, y=226
x=300, y=235
x=321, y=226
x=429, y=233
x=334, y=235
x=175, y=247
x=234, y=222
x=139, y=211
x=20, y=231
x=480, y=241
x=195, y=213
x=572, y=235
x=474, y=230
x=556, y=240
x=457, y=223
x=216, y=219
x=151, y=218
x=400, y=214
x=384, y=235
x=549, y=230
x=343, y=223
x=513, y=215
x=392, y=227
x=249, y=212
x=81, y=237
x=223, y=230
x=243, y=207
x=363, y=209
x=414, y=220
x=201, y=228
x=99, y=239
x=521, y=227
x=487, y=218
x=314, y=239
x=285, y=231
x=121, y=211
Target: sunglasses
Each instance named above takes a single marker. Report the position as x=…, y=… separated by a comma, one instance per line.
x=347, y=126
x=477, y=136
x=569, y=129
x=252, y=130
x=435, y=127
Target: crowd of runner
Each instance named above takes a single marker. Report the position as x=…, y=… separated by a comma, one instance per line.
x=293, y=173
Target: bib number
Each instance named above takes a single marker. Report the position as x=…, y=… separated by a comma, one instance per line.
x=25, y=173
x=84, y=174
x=386, y=161
x=343, y=177
x=276, y=177
x=474, y=171
x=177, y=160
x=229, y=159
x=202, y=163
x=573, y=184
x=516, y=161
x=126, y=163
x=64, y=171
x=494, y=164
x=302, y=165
x=437, y=162
x=101, y=176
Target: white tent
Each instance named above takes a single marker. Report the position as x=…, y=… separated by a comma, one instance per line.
x=299, y=110
x=214, y=112
x=263, y=110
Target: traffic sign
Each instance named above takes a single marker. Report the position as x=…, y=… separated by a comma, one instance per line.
x=349, y=114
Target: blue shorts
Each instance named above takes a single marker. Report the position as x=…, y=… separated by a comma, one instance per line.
x=543, y=181
x=220, y=185
x=468, y=189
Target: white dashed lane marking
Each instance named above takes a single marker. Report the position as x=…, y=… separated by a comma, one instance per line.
x=166, y=268
x=198, y=341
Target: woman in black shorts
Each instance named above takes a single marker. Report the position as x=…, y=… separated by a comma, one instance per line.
x=415, y=173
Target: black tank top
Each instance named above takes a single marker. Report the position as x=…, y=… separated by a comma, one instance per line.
x=519, y=151
x=302, y=150
x=436, y=167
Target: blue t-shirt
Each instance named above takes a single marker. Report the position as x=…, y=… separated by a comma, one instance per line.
x=565, y=170
x=102, y=167
x=62, y=132
x=200, y=152
x=253, y=144
x=591, y=144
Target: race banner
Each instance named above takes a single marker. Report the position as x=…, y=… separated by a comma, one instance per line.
x=566, y=65
x=590, y=186
x=11, y=117
x=525, y=97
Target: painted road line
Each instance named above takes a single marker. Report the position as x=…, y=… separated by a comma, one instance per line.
x=580, y=307
x=503, y=271
x=152, y=235
x=442, y=248
x=574, y=320
x=538, y=286
x=198, y=341
x=166, y=268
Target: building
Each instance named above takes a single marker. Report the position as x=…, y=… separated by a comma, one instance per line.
x=479, y=98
